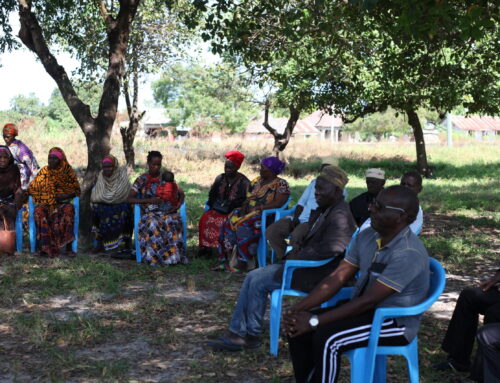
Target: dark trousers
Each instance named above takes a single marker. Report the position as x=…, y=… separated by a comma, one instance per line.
x=316, y=355
x=488, y=339
x=459, y=338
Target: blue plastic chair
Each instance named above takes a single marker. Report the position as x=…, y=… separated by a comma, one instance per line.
x=286, y=290
x=368, y=364
x=32, y=226
x=262, y=245
x=137, y=218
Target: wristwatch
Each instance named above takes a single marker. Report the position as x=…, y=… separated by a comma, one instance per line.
x=313, y=322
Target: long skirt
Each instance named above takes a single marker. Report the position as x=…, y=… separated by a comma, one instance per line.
x=209, y=228
x=245, y=237
x=160, y=238
x=54, y=227
x=112, y=224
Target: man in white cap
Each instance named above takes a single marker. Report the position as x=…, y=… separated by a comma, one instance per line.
x=375, y=181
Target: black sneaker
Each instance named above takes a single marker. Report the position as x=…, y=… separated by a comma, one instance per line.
x=451, y=364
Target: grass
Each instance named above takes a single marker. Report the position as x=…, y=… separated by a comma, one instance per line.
x=98, y=319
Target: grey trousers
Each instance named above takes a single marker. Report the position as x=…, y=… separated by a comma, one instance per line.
x=280, y=230
x=488, y=339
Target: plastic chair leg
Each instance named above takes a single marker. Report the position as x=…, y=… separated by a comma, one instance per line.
x=137, y=217
x=356, y=357
x=412, y=361
x=379, y=375
x=19, y=231
x=275, y=319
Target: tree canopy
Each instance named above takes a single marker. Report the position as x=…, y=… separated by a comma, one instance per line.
x=359, y=57
x=206, y=98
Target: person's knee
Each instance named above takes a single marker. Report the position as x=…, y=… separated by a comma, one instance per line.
x=492, y=314
x=469, y=295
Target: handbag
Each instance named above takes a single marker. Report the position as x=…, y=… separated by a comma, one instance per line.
x=7, y=239
x=223, y=207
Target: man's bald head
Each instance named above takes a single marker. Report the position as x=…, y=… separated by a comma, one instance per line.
x=404, y=198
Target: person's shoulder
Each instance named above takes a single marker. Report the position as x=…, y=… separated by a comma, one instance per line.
x=367, y=235
x=410, y=246
x=359, y=197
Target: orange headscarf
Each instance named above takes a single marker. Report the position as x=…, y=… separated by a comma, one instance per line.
x=49, y=182
x=10, y=129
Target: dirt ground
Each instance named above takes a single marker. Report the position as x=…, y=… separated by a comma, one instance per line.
x=154, y=330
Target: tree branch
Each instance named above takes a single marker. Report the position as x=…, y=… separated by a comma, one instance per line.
x=271, y=130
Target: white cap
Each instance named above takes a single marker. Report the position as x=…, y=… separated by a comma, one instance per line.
x=375, y=173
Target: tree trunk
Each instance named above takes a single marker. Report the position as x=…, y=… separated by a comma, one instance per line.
x=97, y=130
x=422, y=165
x=128, y=134
x=281, y=140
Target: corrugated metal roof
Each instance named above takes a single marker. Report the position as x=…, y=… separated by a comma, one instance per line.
x=323, y=119
x=476, y=122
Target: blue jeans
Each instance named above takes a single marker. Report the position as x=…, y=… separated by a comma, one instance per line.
x=249, y=312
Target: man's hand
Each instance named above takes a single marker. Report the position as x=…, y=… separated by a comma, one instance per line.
x=297, y=323
x=486, y=285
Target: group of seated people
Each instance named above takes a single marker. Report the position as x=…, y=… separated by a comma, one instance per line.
x=53, y=187
x=387, y=263
x=393, y=271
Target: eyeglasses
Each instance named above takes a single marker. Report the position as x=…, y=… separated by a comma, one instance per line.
x=380, y=206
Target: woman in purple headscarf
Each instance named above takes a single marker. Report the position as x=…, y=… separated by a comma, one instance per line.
x=242, y=227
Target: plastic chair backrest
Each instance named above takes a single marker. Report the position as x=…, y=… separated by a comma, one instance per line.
x=262, y=245
x=137, y=218
x=436, y=287
x=32, y=226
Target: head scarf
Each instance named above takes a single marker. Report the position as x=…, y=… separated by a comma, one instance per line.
x=235, y=157
x=10, y=129
x=335, y=175
x=50, y=182
x=273, y=164
x=10, y=178
x=113, y=189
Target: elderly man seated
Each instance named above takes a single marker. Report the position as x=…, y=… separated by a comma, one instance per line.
x=413, y=180
x=296, y=226
x=330, y=229
x=394, y=272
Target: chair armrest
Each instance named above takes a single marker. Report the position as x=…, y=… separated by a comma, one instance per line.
x=294, y=264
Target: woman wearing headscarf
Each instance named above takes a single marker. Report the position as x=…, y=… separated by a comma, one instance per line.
x=52, y=190
x=10, y=199
x=23, y=156
x=227, y=193
x=111, y=212
x=160, y=227
x=242, y=227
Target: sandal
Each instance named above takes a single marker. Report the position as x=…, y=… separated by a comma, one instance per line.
x=221, y=267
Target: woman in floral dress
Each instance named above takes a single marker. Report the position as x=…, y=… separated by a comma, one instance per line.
x=160, y=227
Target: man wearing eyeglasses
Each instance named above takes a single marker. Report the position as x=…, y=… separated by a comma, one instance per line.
x=412, y=180
x=394, y=272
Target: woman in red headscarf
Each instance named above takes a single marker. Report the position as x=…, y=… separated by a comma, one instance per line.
x=227, y=193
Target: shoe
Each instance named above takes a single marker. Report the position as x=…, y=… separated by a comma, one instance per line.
x=452, y=365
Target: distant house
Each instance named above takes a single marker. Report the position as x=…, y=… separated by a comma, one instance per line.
x=330, y=126
x=154, y=121
x=302, y=129
x=480, y=127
